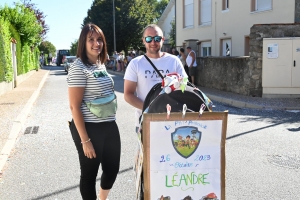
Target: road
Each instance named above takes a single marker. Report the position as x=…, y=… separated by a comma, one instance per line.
x=262, y=151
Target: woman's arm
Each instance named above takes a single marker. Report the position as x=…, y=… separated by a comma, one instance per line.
x=75, y=99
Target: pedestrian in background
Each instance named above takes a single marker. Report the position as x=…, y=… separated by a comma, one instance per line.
x=182, y=59
x=97, y=139
x=191, y=63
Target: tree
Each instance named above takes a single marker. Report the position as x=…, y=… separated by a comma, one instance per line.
x=160, y=7
x=131, y=17
x=39, y=16
x=172, y=34
x=73, y=48
x=24, y=20
x=47, y=48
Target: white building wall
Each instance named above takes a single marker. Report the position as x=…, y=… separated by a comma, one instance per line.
x=166, y=24
x=234, y=22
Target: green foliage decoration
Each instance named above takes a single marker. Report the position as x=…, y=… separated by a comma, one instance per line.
x=6, y=71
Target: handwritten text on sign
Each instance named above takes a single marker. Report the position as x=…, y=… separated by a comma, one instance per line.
x=185, y=158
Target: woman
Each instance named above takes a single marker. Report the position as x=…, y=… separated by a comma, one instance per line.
x=182, y=59
x=97, y=139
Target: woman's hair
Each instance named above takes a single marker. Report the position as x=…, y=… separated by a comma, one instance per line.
x=181, y=50
x=87, y=31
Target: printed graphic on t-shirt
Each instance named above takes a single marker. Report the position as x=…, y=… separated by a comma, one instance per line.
x=100, y=73
x=149, y=74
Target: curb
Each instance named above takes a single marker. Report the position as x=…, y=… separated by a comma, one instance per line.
x=242, y=104
x=18, y=124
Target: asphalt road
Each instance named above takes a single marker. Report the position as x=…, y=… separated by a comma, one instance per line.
x=262, y=151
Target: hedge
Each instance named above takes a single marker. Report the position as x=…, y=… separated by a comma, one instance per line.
x=6, y=71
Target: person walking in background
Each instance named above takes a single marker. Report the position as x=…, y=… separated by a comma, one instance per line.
x=191, y=63
x=97, y=139
x=183, y=61
x=121, y=61
x=140, y=76
x=115, y=55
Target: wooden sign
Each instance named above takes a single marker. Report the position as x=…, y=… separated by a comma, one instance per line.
x=184, y=158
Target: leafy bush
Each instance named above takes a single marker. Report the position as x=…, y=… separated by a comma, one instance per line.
x=6, y=71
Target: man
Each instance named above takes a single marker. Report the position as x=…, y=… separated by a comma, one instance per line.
x=140, y=76
x=191, y=63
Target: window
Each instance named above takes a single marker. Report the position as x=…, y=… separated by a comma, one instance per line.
x=261, y=5
x=188, y=13
x=225, y=4
x=205, y=12
x=205, y=49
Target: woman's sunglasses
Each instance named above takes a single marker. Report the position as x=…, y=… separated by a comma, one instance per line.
x=149, y=39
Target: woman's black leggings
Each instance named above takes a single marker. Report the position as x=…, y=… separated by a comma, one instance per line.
x=105, y=138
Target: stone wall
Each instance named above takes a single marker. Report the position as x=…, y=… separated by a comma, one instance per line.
x=225, y=73
x=242, y=75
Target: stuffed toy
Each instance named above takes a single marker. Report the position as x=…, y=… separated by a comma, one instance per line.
x=172, y=82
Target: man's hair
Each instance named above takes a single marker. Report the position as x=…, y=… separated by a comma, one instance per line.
x=154, y=26
x=189, y=48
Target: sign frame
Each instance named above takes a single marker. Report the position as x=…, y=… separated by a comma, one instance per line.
x=147, y=118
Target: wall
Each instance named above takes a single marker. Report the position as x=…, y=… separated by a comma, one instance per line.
x=230, y=74
x=242, y=75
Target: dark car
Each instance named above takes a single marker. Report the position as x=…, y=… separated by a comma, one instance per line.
x=60, y=56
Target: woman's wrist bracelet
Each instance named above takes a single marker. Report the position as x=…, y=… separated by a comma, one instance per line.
x=86, y=141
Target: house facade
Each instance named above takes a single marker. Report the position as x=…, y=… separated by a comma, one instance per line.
x=164, y=23
x=222, y=27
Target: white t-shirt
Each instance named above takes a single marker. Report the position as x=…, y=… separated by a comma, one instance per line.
x=189, y=59
x=141, y=71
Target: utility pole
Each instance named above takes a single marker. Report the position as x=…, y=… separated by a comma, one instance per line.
x=114, y=25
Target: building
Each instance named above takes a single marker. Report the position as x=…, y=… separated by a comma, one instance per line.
x=164, y=23
x=222, y=27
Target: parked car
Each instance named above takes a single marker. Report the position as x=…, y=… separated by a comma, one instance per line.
x=67, y=62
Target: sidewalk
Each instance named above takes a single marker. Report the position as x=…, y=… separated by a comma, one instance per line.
x=16, y=104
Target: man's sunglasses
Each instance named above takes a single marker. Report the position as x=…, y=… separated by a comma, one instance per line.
x=149, y=39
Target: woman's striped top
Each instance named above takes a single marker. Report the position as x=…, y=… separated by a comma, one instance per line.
x=96, y=82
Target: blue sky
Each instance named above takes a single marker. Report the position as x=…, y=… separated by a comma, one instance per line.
x=64, y=18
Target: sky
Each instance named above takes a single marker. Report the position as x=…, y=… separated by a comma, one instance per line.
x=64, y=18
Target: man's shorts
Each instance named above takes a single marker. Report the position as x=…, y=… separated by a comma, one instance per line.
x=192, y=71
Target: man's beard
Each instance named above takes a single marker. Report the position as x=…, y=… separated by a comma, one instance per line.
x=151, y=51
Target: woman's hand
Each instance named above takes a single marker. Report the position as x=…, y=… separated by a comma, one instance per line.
x=89, y=150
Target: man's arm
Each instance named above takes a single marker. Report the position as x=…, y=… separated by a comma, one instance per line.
x=129, y=96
